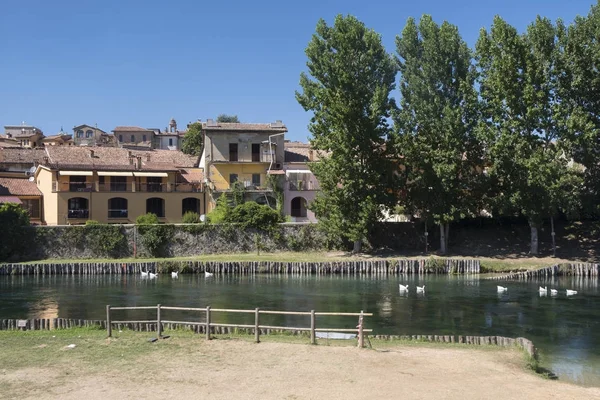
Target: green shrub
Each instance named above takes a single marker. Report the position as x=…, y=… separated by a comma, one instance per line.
x=15, y=232
x=190, y=217
x=92, y=222
x=105, y=240
x=147, y=219
x=221, y=211
x=254, y=215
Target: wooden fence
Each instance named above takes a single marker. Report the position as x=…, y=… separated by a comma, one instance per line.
x=208, y=324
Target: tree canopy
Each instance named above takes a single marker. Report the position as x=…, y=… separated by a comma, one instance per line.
x=347, y=90
x=193, y=140
x=227, y=118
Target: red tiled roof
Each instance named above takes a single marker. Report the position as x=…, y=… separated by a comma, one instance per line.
x=131, y=129
x=192, y=175
x=18, y=187
x=231, y=126
x=21, y=156
x=10, y=199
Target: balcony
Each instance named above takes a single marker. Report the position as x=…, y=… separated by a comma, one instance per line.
x=115, y=187
x=73, y=187
x=303, y=185
x=78, y=214
x=188, y=187
x=128, y=187
x=248, y=158
x=117, y=213
x=152, y=187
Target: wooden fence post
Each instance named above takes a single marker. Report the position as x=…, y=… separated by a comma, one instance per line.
x=158, y=323
x=256, y=329
x=313, y=339
x=108, y=325
x=207, y=322
x=361, y=336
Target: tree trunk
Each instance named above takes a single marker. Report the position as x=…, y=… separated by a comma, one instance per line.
x=443, y=240
x=534, y=239
x=553, y=237
x=357, y=246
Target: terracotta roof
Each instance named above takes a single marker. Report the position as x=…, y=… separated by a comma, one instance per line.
x=131, y=129
x=10, y=199
x=113, y=158
x=299, y=152
x=21, y=156
x=231, y=126
x=192, y=175
x=63, y=137
x=18, y=187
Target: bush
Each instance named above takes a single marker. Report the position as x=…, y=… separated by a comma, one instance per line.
x=105, y=240
x=190, y=217
x=254, y=215
x=147, y=219
x=221, y=211
x=15, y=231
x=92, y=222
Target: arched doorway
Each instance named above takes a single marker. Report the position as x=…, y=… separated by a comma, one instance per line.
x=117, y=207
x=78, y=208
x=298, y=207
x=190, y=204
x=156, y=205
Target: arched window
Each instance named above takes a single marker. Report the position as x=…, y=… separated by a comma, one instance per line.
x=156, y=205
x=117, y=207
x=190, y=204
x=89, y=133
x=80, y=133
x=298, y=207
x=78, y=208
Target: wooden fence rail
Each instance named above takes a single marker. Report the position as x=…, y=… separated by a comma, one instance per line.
x=208, y=324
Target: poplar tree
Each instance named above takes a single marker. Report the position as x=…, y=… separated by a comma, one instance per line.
x=436, y=124
x=347, y=89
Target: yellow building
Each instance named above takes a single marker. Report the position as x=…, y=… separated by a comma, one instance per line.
x=244, y=153
x=115, y=185
x=24, y=192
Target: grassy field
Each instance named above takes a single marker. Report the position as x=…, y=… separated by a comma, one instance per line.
x=40, y=365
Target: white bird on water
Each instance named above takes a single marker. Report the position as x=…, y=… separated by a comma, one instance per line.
x=152, y=276
x=502, y=289
x=421, y=289
x=174, y=274
x=553, y=292
x=403, y=288
x=543, y=289
x=571, y=292
x=207, y=274
x=144, y=274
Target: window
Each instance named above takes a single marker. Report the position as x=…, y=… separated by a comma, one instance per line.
x=132, y=138
x=80, y=133
x=233, y=178
x=256, y=179
x=120, y=138
x=170, y=141
x=89, y=133
x=32, y=206
x=117, y=208
x=143, y=138
x=233, y=151
x=190, y=204
x=77, y=184
x=118, y=183
x=156, y=206
x=78, y=208
x=154, y=184
x=255, y=151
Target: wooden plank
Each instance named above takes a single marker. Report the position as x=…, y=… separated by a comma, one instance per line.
x=232, y=325
x=285, y=312
x=150, y=321
x=183, y=322
x=341, y=330
x=134, y=308
x=232, y=311
x=182, y=308
x=344, y=314
x=283, y=328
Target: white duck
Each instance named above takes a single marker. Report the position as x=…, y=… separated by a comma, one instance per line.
x=553, y=292
x=207, y=274
x=151, y=275
x=571, y=292
x=421, y=289
x=174, y=274
x=543, y=289
x=403, y=288
x=144, y=274
x=502, y=289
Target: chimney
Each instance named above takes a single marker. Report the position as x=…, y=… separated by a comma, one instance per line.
x=91, y=153
x=139, y=162
x=129, y=154
x=310, y=155
x=46, y=159
x=148, y=157
x=130, y=160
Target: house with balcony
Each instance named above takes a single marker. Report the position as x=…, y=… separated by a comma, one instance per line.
x=301, y=186
x=243, y=154
x=26, y=135
x=25, y=193
x=116, y=185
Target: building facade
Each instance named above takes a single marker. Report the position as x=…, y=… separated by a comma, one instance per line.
x=301, y=186
x=134, y=136
x=87, y=135
x=25, y=193
x=26, y=135
x=114, y=185
x=245, y=155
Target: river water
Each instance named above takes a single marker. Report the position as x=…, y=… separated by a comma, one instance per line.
x=566, y=330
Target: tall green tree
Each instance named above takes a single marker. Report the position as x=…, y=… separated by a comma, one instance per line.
x=523, y=121
x=16, y=234
x=579, y=85
x=228, y=118
x=347, y=89
x=436, y=124
x=193, y=140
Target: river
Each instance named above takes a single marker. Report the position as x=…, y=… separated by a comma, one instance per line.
x=566, y=330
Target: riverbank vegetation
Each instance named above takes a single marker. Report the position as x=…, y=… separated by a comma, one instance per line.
x=45, y=364
x=507, y=128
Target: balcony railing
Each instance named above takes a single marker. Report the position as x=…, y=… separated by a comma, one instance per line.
x=247, y=158
x=151, y=187
x=80, y=213
x=116, y=213
x=128, y=187
x=188, y=187
x=303, y=185
x=115, y=187
x=73, y=187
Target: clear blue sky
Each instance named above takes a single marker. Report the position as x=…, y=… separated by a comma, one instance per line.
x=133, y=62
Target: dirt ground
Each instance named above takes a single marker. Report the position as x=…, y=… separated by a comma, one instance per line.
x=231, y=369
